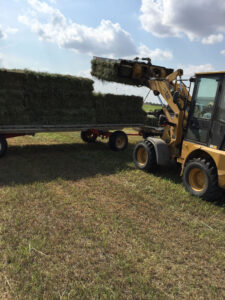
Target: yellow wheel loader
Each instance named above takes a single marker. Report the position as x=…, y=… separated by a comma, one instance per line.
x=193, y=128
x=193, y=134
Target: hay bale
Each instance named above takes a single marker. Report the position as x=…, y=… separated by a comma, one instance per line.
x=118, y=109
x=39, y=98
x=11, y=79
x=151, y=121
x=25, y=78
x=108, y=69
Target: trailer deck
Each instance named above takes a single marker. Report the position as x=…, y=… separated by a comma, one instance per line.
x=29, y=129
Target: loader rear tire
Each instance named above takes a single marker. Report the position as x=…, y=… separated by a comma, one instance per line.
x=144, y=156
x=200, y=179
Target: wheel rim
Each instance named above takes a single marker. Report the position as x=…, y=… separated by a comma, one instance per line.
x=142, y=156
x=197, y=179
x=120, y=142
x=91, y=136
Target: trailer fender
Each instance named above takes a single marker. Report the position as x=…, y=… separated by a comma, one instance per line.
x=161, y=150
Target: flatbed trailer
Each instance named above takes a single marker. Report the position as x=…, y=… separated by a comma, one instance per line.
x=118, y=139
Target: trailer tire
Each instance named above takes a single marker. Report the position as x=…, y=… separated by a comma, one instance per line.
x=3, y=145
x=200, y=179
x=144, y=156
x=88, y=136
x=118, y=141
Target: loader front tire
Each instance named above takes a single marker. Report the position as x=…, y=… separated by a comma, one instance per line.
x=144, y=156
x=200, y=179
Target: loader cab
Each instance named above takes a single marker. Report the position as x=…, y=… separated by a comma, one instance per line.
x=206, y=123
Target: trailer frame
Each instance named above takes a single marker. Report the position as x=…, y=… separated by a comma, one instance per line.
x=118, y=139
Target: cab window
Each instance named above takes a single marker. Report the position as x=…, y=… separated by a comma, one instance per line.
x=205, y=97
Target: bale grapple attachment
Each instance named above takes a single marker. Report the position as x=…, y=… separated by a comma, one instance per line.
x=132, y=72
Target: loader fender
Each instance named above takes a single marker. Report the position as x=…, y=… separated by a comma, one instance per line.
x=161, y=150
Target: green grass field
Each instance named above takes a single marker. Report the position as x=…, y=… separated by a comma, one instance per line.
x=78, y=221
x=147, y=107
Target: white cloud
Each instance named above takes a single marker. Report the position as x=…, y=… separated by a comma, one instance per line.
x=213, y=38
x=11, y=30
x=222, y=52
x=195, y=19
x=1, y=61
x=8, y=30
x=190, y=70
x=156, y=54
x=108, y=38
x=2, y=34
x=43, y=7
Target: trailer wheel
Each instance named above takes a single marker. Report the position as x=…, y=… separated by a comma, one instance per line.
x=144, y=156
x=200, y=179
x=88, y=136
x=3, y=145
x=118, y=141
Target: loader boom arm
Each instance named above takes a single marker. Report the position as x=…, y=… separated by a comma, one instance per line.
x=177, y=97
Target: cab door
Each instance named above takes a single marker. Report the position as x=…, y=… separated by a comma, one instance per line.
x=207, y=90
x=217, y=134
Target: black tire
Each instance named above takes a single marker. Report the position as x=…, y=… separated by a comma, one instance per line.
x=3, y=145
x=200, y=179
x=118, y=141
x=88, y=136
x=144, y=156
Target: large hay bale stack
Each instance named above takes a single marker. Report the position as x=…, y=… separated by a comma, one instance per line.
x=30, y=98
x=33, y=98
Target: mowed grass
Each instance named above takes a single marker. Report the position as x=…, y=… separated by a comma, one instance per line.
x=147, y=107
x=79, y=221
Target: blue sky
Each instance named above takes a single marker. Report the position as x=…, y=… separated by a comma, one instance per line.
x=63, y=35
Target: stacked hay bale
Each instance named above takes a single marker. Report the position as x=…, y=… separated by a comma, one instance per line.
x=108, y=69
x=34, y=98
x=30, y=98
x=151, y=121
x=119, y=109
